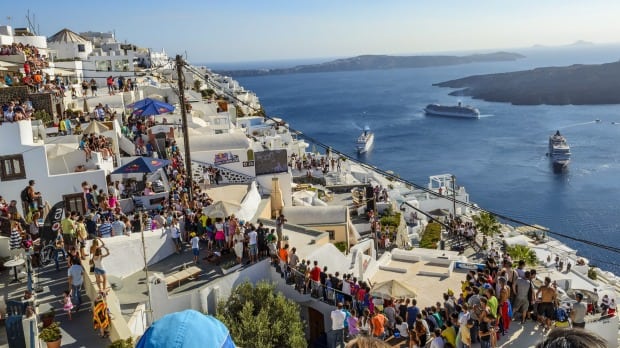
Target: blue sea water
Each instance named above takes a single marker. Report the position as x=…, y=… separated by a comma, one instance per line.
x=499, y=158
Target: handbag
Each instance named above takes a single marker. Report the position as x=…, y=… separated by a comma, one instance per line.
x=91, y=263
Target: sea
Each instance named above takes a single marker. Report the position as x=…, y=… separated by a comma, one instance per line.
x=500, y=158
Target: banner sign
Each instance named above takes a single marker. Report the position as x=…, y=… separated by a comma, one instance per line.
x=469, y=266
x=51, y=224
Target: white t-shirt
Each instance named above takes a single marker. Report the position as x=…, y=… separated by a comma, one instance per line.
x=195, y=240
x=338, y=317
x=175, y=231
x=252, y=236
x=346, y=287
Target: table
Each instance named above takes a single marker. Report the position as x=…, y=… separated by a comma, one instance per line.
x=14, y=263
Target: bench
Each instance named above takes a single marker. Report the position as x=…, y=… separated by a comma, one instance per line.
x=174, y=280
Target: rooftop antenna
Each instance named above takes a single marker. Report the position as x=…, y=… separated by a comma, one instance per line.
x=32, y=23
x=8, y=19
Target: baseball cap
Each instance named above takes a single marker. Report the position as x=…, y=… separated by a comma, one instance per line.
x=487, y=286
x=186, y=329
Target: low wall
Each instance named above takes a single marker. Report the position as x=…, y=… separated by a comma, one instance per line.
x=158, y=245
x=203, y=299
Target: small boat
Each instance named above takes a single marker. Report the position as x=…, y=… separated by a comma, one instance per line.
x=559, y=151
x=365, y=140
x=459, y=110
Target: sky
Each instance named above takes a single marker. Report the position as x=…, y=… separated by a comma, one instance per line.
x=210, y=31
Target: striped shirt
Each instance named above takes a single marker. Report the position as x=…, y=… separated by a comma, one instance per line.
x=105, y=230
x=16, y=240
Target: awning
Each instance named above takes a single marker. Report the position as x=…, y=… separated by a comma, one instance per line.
x=64, y=72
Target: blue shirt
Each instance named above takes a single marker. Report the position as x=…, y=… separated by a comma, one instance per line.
x=105, y=230
x=412, y=315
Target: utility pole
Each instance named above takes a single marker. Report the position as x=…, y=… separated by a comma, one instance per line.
x=454, y=196
x=188, y=160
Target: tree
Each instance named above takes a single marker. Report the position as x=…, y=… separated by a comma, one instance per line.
x=197, y=85
x=522, y=252
x=487, y=224
x=261, y=317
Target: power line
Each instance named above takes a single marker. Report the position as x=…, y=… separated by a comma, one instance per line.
x=407, y=182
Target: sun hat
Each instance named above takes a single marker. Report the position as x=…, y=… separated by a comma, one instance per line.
x=186, y=329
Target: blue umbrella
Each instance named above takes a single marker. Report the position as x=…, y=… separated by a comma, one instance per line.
x=186, y=329
x=141, y=165
x=148, y=107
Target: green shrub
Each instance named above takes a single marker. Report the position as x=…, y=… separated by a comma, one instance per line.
x=592, y=273
x=431, y=236
x=342, y=246
x=390, y=220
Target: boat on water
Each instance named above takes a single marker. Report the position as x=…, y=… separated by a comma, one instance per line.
x=365, y=140
x=559, y=151
x=459, y=110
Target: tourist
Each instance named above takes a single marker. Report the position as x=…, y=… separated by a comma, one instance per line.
x=523, y=293
x=578, y=312
x=67, y=305
x=280, y=220
x=465, y=334
x=377, y=325
x=367, y=342
x=437, y=341
x=449, y=333
x=93, y=87
x=546, y=306
x=414, y=341
x=82, y=235
x=353, y=324
x=338, y=318
x=504, y=304
x=412, y=312
x=253, y=248
x=100, y=273
x=175, y=235
x=401, y=327
x=238, y=240
x=76, y=279
x=390, y=314
x=364, y=323
x=195, y=242
x=105, y=229
x=101, y=316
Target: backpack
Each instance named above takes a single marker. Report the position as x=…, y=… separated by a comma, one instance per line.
x=560, y=314
x=25, y=197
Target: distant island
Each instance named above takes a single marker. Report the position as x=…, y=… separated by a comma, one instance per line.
x=374, y=62
x=576, y=84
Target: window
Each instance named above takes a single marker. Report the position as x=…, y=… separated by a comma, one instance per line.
x=103, y=65
x=81, y=48
x=12, y=168
x=121, y=65
x=332, y=234
x=75, y=202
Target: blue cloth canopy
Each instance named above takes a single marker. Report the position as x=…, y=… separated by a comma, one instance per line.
x=141, y=165
x=186, y=329
x=148, y=107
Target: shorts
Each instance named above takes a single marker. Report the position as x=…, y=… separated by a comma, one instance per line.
x=546, y=309
x=99, y=271
x=195, y=251
x=520, y=305
x=253, y=249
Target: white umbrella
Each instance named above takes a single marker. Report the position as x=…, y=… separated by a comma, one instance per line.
x=221, y=209
x=392, y=289
x=57, y=150
x=95, y=127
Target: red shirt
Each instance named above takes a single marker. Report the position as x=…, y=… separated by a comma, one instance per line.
x=315, y=274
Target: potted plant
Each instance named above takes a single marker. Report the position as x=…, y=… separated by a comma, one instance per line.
x=48, y=317
x=51, y=335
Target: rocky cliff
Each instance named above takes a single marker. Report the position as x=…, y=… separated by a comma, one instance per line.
x=370, y=62
x=575, y=84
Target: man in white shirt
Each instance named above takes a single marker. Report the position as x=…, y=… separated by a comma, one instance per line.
x=253, y=245
x=338, y=316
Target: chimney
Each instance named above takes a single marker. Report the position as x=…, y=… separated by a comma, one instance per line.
x=276, y=198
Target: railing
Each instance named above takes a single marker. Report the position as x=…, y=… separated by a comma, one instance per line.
x=225, y=172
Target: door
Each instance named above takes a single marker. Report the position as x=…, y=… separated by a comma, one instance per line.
x=75, y=202
x=316, y=324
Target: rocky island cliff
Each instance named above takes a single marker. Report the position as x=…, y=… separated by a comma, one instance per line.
x=576, y=84
x=374, y=62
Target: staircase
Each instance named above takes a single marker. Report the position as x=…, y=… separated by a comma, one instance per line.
x=229, y=176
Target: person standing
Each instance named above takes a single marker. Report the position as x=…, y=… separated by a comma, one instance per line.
x=578, y=313
x=238, y=245
x=100, y=275
x=75, y=276
x=253, y=245
x=280, y=220
x=338, y=317
x=195, y=242
x=93, y=87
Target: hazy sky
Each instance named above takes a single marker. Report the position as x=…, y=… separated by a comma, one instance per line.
x=253, y=30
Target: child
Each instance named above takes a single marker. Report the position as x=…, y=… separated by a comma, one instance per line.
x=68, y=305
x=195, y=241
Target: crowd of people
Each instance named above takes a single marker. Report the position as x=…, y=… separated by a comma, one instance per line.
x=482, y=312
x=17, y=110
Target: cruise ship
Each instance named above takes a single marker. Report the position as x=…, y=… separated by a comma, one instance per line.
x=459, y=110
x=559, y=151
x=365, y=140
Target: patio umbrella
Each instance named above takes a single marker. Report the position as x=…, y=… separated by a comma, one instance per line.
x=392, y=289
x=149, y=107
x=221, y=209
x=439, y=212
x=141, y=165
x=95, y=127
